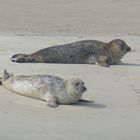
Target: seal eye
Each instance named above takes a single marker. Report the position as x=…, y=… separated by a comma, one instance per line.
x=77, y=84
x=122, y=46
x=83, y=83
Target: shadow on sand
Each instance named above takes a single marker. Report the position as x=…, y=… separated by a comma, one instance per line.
x=128, y=64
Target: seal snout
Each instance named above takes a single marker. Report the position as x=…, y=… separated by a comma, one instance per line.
x=84, y=89
x=128, y=49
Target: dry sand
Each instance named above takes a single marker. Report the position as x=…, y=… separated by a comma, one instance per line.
x=115, y=114
x=70, y=17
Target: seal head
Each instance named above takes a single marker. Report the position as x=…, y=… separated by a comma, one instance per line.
x=116, y=50
x=121, y=45
x=75, y=87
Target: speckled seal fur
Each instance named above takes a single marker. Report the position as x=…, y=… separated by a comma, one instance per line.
x=52, y=89
x=81, y=52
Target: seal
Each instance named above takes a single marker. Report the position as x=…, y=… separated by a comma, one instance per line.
x=81, y=52
x=52, y=89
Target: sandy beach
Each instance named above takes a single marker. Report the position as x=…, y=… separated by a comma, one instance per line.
x=26, y=27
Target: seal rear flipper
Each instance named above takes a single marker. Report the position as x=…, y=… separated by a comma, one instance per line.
x=6, y=75
x=20, y=58
x=19, y=55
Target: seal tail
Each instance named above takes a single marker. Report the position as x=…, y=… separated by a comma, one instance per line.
x=20, y=58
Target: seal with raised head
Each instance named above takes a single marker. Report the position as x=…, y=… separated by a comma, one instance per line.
x=81, y=52
x=52, y=89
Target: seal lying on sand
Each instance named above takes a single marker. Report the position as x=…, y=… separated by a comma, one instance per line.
x=82, y=52
x=52, y=89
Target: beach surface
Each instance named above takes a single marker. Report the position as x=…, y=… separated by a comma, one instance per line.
x=26, y=27
x=70, y=17
x=114, y=114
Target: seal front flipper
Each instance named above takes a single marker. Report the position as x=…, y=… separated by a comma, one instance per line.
x=52, y=102
x=86, y=101
x=103, y=61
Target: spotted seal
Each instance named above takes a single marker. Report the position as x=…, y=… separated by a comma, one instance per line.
x=80, y=52
x=52, y=89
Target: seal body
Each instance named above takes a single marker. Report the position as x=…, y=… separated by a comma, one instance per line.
x=81, y=52
x=52, y=89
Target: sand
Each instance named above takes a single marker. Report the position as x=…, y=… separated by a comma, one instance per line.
x=115, y=113
x=70, y=17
